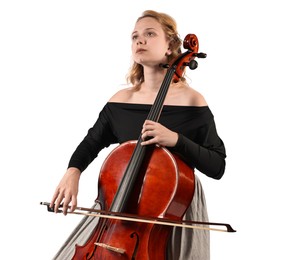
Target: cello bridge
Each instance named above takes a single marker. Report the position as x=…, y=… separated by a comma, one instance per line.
x=111, y=248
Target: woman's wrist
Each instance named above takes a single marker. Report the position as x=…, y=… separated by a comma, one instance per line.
x=74, y=170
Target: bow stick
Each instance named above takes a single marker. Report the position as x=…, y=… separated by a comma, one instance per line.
x=135, y=218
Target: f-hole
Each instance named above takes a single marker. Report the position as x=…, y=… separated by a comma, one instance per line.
x=135, y=236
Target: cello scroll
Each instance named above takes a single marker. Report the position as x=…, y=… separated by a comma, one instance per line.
x=190, y=43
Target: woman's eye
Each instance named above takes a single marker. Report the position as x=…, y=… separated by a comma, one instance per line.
x=150, y=34
x=134, y=37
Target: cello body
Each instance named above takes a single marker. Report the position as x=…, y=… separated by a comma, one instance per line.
x=164, y=188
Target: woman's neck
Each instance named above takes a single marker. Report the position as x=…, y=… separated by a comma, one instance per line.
x=152, y=79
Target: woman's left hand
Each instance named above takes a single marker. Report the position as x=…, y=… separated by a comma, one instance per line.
x=155, y=133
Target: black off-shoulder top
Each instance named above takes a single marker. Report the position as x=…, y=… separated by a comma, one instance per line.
x=198, y=144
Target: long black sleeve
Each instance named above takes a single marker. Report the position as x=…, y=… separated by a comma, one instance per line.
x=209, y=157
x=98, y=137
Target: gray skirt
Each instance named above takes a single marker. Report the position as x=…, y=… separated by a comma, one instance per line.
x=187, y=243
x=184, y=243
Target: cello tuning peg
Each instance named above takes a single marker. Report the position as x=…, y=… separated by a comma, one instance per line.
x=165, y=66
x=201, y=55
x=193, y=64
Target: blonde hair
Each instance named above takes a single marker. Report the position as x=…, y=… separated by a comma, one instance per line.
x=169, y=26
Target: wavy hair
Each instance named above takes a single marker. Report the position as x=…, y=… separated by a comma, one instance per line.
x=169, y=26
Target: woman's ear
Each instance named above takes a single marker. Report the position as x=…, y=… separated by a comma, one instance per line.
x=170, y=48
x=168, y=52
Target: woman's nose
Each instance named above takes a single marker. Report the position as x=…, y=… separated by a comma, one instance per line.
x=141, y=40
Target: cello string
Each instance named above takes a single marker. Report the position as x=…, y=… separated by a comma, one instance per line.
x=158, y=104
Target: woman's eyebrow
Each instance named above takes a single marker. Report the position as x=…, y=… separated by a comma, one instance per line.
x=147, y=29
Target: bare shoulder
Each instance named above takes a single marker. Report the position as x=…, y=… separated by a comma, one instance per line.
x=195, y=98
x=186, y=96
x=123, y=95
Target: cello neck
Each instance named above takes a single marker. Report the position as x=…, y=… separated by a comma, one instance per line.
x=132, y=171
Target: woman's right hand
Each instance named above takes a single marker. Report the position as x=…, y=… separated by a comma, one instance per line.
x=67, y=191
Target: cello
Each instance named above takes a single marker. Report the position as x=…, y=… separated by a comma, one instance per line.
x=131, y=180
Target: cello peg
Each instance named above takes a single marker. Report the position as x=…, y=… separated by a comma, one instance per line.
x=193, y=64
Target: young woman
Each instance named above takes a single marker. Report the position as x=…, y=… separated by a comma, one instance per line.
x=186, y=127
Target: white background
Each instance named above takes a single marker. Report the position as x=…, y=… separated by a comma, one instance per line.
x=60, y=61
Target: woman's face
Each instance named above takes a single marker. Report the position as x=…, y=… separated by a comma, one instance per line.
x=149, y=43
